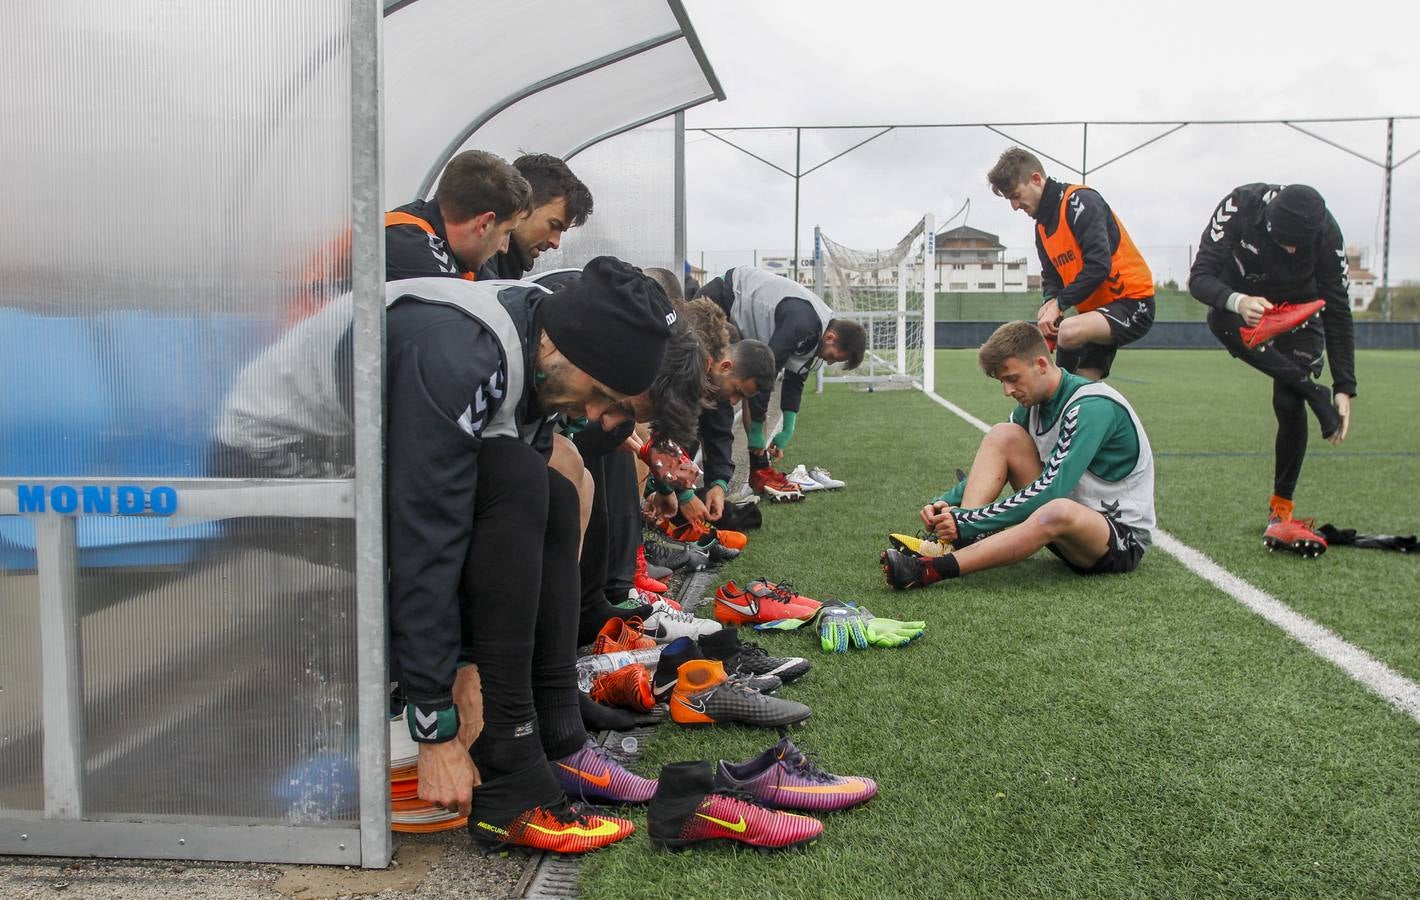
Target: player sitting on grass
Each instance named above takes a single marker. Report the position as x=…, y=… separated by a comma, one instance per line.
x=1075, y=454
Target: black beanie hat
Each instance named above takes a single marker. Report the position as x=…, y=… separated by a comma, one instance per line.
x=612, y=323
x=1295, y=215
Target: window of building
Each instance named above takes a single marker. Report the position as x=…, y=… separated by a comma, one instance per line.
x=986, y=285
x=957, y=286
x=988, y=266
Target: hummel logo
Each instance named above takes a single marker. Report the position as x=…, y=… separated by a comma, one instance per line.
x=427, y=725
x=733, y=826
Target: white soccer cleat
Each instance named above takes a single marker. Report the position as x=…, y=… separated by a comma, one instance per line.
x=801, y=478
x=824, y=478
x=743, y=495
x=667, y=623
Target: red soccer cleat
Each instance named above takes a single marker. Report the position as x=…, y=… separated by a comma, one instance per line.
x=560, y=828
x=1295, y=535
x=1280, y=319
x=760, y=602
x=773, y=484
x=643, y=580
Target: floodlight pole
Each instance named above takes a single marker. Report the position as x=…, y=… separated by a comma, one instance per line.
x=1385, y=245
x=798, y=174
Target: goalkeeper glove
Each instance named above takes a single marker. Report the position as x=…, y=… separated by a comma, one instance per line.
x=841, y=626
x=892, y=633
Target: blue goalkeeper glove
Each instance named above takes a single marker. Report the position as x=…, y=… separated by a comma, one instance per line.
x=842, y=626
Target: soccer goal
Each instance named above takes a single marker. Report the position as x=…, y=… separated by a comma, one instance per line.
x=892, y=293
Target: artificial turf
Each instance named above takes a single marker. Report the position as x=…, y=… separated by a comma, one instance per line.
x=1139, y=735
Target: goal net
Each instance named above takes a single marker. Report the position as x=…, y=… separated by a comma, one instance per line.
x=891, y=292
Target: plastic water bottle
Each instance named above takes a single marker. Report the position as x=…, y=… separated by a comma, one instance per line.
x=589, y=667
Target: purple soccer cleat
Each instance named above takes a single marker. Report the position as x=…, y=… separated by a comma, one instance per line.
x=592, y=774
x=783, y=777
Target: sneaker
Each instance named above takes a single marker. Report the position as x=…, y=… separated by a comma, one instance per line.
x=903, y=572
x=801, y=478
x=593, y=775
x=1280, y=319
x=562, y=827
x=743, y=495
x=771, y=482
x=705, y=695
x=666, y=556
x=689, y=809
x=825, y=478
x=757, y=602
x=783, y=777
x=628, y=688
x=1296, y=535
x=666, y=624
x=667, y=674
x=619, y=635
x=747, y=658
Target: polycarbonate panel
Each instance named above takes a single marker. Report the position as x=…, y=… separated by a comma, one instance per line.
x=177, y=188
x=21, y=763
x=632, y=179
x=225, y=691
x=657, y=82
x=448, y=62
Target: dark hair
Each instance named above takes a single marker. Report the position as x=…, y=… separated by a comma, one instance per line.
x=692, y=287
x=476, y=182
x=707, y=321
x=1014, y=166
x=754, y=359
x=550, y=178
x=1014, y=340
x=852, y=339
x=678, y=387
x=668, y=282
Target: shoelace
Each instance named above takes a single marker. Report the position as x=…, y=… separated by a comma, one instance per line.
x=806, y=765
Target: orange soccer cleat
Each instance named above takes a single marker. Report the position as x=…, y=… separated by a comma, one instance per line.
x=560, y=828
x=628, y=687
x=619, y=635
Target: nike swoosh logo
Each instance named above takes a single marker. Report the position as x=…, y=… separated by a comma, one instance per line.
x=750, y=610
x=739, y=826
x=601, y=780
x=846, y=787
x=602, y=830
x=693, y=705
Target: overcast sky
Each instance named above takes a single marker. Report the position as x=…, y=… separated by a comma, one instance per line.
x=903, y=61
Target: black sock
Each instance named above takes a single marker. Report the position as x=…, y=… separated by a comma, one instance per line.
x=759, y=459
x=946, y=566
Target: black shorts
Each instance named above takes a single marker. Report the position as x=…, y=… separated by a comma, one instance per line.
x=1129, y=320
x=1123, y=554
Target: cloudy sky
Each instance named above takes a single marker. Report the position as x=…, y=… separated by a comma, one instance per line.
x=907, y=61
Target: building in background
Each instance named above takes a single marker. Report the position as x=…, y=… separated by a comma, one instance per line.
x=970, y=260
x=1363, y=283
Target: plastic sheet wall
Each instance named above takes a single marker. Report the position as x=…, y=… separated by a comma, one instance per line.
x=178, y=653
x=633, y=180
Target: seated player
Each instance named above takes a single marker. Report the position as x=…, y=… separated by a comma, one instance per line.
x=1077, y=458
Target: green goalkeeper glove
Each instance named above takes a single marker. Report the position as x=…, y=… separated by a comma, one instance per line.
x=892, y=633
x=841, y=626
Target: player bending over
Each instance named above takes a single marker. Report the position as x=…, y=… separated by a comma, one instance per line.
x=1078, y=459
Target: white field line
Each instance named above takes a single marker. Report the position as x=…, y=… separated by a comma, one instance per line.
x=1374, y=675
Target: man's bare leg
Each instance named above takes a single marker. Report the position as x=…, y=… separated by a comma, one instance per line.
x=1086, y=328
x=1007, y=454
x=1080, y=534
x=567, y=461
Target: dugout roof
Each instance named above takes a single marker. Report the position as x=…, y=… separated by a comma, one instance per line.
x=552, y=77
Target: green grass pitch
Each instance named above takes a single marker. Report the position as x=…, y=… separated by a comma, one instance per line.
x=1140, y=735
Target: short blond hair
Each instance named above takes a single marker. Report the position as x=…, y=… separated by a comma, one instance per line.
x=1014, y=340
